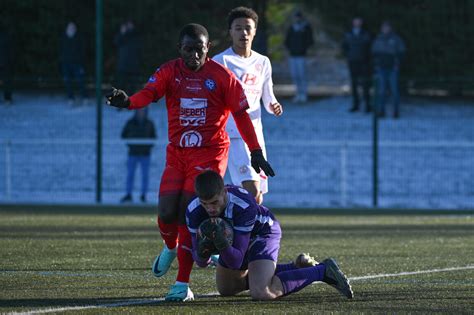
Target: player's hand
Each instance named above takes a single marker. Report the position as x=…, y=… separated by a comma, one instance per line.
x=258, y=162
x=205, y=248
x=117, y=98
x=277, y=109
x=214, y=232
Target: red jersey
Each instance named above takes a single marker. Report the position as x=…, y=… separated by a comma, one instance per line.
x=198, y=103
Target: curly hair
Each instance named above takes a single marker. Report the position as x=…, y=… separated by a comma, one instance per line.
x=241, y=12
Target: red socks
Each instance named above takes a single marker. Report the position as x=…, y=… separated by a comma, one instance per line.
x=185, y=257
x=169, y=233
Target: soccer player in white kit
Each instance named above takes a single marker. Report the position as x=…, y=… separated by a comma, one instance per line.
x=255, y=73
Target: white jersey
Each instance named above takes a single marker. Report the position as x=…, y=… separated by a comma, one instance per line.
x=255, y=75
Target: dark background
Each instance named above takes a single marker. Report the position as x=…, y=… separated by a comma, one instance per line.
x=438, y=33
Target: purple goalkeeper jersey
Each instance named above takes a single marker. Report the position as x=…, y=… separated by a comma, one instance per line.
x=241, y=210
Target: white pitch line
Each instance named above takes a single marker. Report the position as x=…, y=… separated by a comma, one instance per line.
x=411, y=273
x=159, y=300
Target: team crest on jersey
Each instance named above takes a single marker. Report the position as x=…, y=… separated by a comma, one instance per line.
x=243, y=169
x=152, y=79
x=210, y=84
x=190, y=139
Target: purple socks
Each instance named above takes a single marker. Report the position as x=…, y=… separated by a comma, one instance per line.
x=294, y=280
x=284, y=267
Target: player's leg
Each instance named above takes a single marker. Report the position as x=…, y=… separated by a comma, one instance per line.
x=293, y=280
x=172, y=181
x=168, y=226
x=262, y=258
x=263, y=284
x=231, y=282
x=180, y=291
x=303, y=260
x=241, y=171
x=253, y=187
x=195, y=161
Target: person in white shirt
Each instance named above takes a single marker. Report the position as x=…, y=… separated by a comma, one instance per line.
x=255, y=74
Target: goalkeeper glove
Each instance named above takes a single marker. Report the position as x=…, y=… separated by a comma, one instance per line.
x=258, y=162
x=205, y=248
x=117, y=98
x=215, y=233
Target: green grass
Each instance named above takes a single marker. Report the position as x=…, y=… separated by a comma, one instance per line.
x=60, y=260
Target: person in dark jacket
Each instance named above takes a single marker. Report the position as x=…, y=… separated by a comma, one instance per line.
x=387, y=51
x=6, y=65
x=299, y=38
x=139, y=126
x=128, y=43
x=71, y=57
x=356, y=49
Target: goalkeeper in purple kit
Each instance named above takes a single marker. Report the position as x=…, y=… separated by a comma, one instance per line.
x=249, y=262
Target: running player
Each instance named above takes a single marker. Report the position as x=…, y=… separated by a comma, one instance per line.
x=250, y=262
x=200, y=94
x=255, y=73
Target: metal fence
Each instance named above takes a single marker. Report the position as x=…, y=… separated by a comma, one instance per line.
x=420, y=174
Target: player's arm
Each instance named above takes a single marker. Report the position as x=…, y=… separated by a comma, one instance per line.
x=237, y=102
x=247, y=131
x=152, y=92
x=270, y=102
x=233, y=255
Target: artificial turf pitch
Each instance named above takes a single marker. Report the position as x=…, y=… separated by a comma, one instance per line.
x=98, y=262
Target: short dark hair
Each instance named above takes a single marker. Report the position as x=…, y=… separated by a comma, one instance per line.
x=241, y=12
x=208, y=184
x=193, y=30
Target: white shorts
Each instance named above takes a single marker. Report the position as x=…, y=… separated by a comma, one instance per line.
x=239, y=166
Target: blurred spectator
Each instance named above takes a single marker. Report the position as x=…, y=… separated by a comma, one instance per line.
x=71, y=57
x=299, y=37
x=138, y=127
x=129, y=46
x=387, y=51
x=356, y=49
x=6, y=65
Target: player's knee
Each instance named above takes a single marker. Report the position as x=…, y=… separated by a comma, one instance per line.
x=225, y=290
x=262, y=294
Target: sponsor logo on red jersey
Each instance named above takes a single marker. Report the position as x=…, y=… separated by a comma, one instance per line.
x=192, y=111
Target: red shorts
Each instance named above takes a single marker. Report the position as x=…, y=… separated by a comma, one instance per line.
x=184, y=164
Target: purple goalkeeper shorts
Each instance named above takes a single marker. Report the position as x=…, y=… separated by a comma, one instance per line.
x=266, y=246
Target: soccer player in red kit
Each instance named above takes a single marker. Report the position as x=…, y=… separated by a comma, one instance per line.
x=200, y=94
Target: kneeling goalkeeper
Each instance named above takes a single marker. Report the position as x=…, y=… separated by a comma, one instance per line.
x=250, y=263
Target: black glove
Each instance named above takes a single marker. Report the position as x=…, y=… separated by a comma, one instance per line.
x=206, y=248
x=258, y=162
x=213, y=229
x=117, y=98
